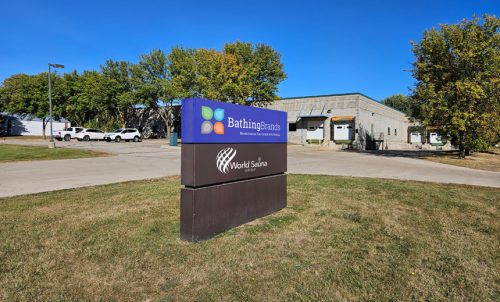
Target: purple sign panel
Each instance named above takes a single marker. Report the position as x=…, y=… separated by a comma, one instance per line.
x=205, y=121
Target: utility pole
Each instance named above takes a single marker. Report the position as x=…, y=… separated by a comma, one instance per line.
x=52, y=144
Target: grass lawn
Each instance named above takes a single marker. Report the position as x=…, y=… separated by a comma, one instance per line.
x=482, y=161
x=339, y=239
x=9, y=153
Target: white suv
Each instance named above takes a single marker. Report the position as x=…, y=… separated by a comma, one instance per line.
x=90, y=134
x=125, y=134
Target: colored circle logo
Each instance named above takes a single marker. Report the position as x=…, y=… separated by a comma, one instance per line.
x=207, y=126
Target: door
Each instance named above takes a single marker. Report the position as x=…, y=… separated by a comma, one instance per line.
x=435, y=138
x=315, y=130
x=99, y=134
x=91, y=133
x=342, y=132
x=129, y=134
x=415, y=138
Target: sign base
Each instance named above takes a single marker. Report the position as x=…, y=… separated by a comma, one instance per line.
x=209, y=210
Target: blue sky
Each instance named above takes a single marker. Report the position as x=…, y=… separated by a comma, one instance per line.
x=326, y=46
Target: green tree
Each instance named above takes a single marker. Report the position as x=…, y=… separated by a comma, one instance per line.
x=263, y=71
x=119, y=96
x=399, y=102
x=152, y=86
x=457, y=71
x=28, y=95
x=182, y=70
x=68, y=89
x=85, y=103
x=2, y=108
x=240, y=74
x=207, y=73
x=220, y=76
x=97, y=99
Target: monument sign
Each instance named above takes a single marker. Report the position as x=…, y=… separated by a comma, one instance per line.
x=233, y=164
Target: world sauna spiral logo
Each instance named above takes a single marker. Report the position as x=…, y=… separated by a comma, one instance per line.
x=224, y=158
x=207, y=126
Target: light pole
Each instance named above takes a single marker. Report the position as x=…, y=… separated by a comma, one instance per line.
x=52, y=144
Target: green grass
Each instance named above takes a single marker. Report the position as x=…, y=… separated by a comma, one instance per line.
x=10, y=153
x=340, y=142
x=339, y=238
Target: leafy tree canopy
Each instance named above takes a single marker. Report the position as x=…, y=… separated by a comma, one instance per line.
x=399, y=102
x=241, y=73
x=458, y=83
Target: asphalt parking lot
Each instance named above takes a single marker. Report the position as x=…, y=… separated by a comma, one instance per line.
x=131, y=161
x=154, y=158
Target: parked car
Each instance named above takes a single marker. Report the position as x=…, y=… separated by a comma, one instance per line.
x=90, y=134
x=126, y=134
x=67, y=134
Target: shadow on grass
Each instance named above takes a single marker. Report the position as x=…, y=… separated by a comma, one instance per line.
x=411, y=153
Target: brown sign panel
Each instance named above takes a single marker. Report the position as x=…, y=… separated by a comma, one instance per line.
x=210, y=210
x=205, y=164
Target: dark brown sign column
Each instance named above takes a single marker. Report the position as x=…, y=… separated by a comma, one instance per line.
x=233, y=164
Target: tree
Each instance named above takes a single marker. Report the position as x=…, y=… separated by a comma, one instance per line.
x=209, y=74
x=28, y=95
x=263, y=71
x=85, y=104
x=221, y=77
x=97, y=99
x=68, y=89
x=118, y=83
x=2, y=108
x=240, y=74
x=152, y=86
x=399, y=102
x=457, y=71
x=182, y=69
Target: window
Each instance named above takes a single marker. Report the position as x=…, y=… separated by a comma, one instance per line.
x=339, y=127
x=395, y=132
x=69, y=129
x=349, y=127
x=292, y=127
x=389, y=131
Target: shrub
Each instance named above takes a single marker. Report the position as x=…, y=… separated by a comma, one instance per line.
x=480, y=145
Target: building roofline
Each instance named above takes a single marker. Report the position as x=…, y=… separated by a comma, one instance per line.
x=326, y=95
x=341, y=94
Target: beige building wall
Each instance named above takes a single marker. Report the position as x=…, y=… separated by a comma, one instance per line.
x=389, y=125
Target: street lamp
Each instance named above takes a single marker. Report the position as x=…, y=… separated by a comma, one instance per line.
x=52, y=144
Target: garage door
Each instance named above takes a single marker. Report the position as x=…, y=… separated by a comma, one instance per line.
x=435, y=138
x=416, y=138
x=342, y=132
x=315, y=130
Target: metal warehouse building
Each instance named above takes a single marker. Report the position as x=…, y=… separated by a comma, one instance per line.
x=344, y=120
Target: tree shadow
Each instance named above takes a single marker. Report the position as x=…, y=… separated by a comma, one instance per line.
x=13, y=126
x=411, y=153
